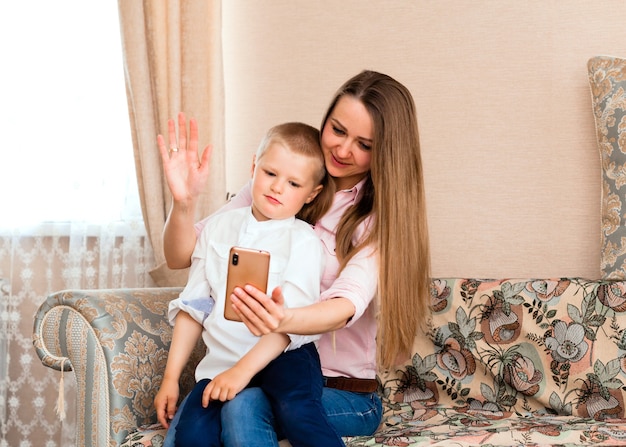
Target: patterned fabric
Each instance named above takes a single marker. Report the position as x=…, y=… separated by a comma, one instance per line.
x=513, y=362
x=116, y=342
x=506, y=362
x=36, y=261
x=607, y=78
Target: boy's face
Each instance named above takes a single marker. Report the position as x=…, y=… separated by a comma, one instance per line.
x=282, y=183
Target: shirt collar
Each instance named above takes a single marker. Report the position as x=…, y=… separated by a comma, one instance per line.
x=356, y=191
x=272, y=224
x=344, y=199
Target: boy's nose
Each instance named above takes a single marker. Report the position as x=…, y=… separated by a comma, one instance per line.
x=277, y=186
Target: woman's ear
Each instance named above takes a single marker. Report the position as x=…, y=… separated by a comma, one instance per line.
x=314, y=193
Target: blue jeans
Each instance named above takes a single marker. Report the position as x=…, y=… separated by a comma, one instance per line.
x=293, y=385
x=351, y=414
x=171, y=431
x=199, y=426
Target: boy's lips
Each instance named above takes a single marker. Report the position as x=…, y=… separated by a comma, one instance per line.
x=272, y=200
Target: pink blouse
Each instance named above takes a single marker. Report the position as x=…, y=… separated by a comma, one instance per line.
x=350, y=351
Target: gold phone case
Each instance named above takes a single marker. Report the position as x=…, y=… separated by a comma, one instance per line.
x=245, y=266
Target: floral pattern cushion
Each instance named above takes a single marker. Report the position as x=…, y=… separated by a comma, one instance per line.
x=607, y=79
x=505, y=362
x=513, y=362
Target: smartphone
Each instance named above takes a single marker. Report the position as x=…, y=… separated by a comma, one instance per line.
x=245, y=266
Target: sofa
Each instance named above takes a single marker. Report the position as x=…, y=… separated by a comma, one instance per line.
x=534, y=362
x=505, y=362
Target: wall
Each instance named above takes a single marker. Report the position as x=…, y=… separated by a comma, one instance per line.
x=512, y=168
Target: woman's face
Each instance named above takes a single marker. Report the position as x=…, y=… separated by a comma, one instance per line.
x=347, y=142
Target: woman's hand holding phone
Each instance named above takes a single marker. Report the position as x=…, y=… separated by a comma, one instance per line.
x=261, y=313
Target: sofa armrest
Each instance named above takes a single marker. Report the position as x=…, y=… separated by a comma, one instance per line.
x=116, y=341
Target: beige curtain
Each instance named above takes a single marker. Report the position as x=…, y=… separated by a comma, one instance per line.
x=173, y=62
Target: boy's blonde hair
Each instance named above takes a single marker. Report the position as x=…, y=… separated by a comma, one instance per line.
x=303, y=139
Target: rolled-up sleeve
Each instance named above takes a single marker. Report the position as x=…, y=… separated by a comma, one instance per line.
x=196, y=298
x=358, y=282
x=297, y=341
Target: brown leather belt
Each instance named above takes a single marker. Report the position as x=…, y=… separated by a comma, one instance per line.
x=351, y=384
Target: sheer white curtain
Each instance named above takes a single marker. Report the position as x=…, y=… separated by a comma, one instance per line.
x=69, y=208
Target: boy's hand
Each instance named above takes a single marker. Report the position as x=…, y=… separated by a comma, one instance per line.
x=165, y=401
x=226, y=385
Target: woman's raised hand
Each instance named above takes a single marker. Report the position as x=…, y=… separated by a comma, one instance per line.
x=185, y=171
x=261, y=313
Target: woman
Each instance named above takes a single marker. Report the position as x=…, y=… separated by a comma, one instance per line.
x=376, y=241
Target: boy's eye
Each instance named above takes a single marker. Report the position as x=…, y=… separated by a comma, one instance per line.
x=294, y=184
x=269, y=173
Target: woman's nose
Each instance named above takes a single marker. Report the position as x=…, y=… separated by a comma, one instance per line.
x=343, y=151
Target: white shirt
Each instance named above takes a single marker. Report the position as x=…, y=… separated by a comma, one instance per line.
x=350, y=351
x=296, y=264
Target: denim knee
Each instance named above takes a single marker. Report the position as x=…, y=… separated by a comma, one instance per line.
x=199, y=426
x=258, y=428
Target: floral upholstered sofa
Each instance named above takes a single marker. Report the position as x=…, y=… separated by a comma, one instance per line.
x=506, y=362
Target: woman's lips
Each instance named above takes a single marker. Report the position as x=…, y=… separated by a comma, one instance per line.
x=338, y=162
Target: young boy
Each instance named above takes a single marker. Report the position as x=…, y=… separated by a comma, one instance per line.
x=289, y=178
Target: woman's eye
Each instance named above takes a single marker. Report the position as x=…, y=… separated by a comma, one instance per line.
x=365, y=146
x=338, y=131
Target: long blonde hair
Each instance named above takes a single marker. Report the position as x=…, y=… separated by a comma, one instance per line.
x=394, y=197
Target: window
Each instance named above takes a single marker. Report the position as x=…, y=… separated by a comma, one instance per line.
x=66, y=149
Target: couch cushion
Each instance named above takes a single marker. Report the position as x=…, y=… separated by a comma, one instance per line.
x=519, y=346
x=607, y=79
x=507, y=362
x=448, y=428
x=513, y=361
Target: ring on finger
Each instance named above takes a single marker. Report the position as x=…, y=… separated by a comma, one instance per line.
x=173, y=149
